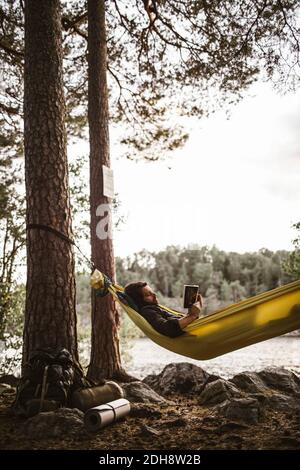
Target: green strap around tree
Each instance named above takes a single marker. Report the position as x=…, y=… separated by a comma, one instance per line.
x=61, y=235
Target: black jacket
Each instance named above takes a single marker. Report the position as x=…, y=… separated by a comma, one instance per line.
x=161, y=320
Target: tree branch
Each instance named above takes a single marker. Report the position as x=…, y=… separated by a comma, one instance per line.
x=9, y=109
x=122, y=17
x=289, y=26
x=245, y=41
x=9, y=19
x=151, y=10
x=9, y=50
x=71, y=24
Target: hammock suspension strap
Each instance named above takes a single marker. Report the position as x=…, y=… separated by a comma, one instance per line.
x=61, y=235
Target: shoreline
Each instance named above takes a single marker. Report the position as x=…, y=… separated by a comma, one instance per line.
x=283, y=351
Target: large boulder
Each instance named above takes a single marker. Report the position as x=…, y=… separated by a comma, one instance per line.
x=252, y=390
x=281, y=402
x=273, y=387
x=181, y=377
x=281, y=379
x=249, y=382
x=218, y=391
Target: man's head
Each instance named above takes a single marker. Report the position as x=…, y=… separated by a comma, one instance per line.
x=141, y=294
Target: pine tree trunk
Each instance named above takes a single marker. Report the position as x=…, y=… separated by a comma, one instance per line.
x=50, y=319
x=105, y=355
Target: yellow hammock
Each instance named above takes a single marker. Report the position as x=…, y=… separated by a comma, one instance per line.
x=250, y=321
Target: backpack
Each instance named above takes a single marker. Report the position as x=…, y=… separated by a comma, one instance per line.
x=46, y=382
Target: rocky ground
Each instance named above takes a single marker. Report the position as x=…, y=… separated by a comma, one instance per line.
x=183, y=407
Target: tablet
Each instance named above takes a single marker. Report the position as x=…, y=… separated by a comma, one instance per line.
x=190, y=293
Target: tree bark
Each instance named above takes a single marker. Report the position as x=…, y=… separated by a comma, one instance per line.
x=105, y=354
x=50, y=319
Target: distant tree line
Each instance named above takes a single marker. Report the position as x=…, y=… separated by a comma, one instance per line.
x=292, y=265
x=223, y=277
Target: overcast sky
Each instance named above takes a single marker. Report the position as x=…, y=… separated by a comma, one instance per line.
x=234, y=184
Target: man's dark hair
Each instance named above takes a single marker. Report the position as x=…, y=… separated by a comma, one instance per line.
x=134, y=290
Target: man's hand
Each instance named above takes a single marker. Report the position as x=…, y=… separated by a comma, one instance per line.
x=193, y=314
x=195, y=309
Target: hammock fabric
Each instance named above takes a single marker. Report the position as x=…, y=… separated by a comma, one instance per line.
x=250, y=321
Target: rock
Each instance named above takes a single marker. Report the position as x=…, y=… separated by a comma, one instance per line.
x=218, y=391
x=281, y=379
x=262, y=399
x=9, y=380
x=264, y=386
x=140, y=410
x=139, y=392
x=246, y=410
x=280, y=402
x=182, y=377
x=63, y=422
x=249, y=382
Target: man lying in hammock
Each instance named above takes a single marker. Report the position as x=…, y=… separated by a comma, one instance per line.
x=161, y=320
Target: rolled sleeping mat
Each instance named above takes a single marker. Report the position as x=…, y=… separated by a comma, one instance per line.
x=89, y=397
x=102, y=415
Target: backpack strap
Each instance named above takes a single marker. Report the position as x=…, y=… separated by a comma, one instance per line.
x=43, y=392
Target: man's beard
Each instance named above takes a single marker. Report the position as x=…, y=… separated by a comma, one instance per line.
x=152, y=302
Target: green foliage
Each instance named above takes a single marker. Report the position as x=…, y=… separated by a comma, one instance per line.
x=165, y=58
x=292, y=265
x=12, y=239
x=83, y=289
x=12, y=337
x=12, y=231
x=224, y=278
x=15, y=319
x=10, y=354
x=128, y=330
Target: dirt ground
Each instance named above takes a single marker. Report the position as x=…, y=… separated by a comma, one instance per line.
x=185, y=425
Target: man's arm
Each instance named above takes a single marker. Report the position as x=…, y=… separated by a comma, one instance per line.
x=171, y=326
x=165, y=326
x=185, y=321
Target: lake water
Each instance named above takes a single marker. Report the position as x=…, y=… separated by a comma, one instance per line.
x=149, y=358
x=146, y=357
